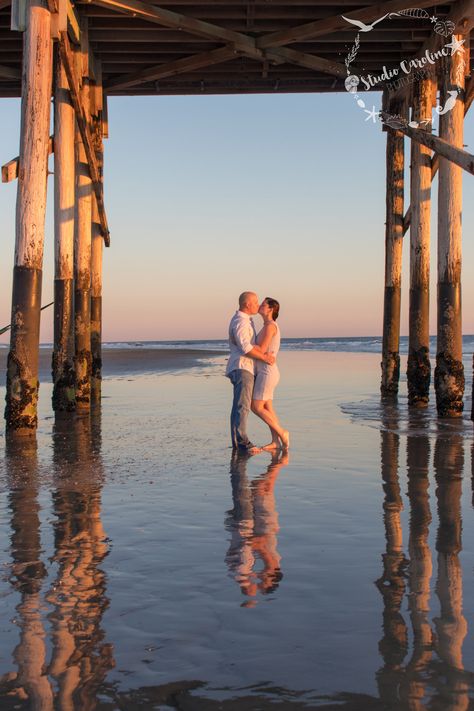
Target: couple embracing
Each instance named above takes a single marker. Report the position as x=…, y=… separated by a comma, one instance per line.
x=253, y=371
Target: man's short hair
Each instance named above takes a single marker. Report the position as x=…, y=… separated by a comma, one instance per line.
x=244, y=297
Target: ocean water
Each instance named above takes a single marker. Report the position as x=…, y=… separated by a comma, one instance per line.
x=352, y=344
x=145, y=567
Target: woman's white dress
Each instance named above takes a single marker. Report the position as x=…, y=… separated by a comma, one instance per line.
x=267, y=376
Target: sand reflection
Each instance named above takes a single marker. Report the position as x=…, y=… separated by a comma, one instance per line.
x=70, y=584
x=431, y=674
x=252, y=558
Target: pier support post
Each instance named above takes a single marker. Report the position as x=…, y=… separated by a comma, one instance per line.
x=393, y=253
x=64, y=397
x=96, y=272
x=96, y=305
x=449, y=371
x=22, y=369
x=82, y=257
x=419, y=367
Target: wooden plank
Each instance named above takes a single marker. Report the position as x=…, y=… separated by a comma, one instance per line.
x=174, y=20
x=18, y=15
x=68, y=61
x=11, y=169
x=310, y=61
x=160, y=71
x=73, y=24
x=337, y=22
x=9, y=72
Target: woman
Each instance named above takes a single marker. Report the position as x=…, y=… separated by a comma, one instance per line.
x=267, y=376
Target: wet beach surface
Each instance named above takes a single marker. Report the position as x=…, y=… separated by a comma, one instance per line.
x=144, y=567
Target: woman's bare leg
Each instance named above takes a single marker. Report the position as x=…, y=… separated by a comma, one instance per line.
x=275, y=443
x=259, y=409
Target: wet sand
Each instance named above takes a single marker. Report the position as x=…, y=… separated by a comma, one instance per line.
x=123, y=361
x=145, y=567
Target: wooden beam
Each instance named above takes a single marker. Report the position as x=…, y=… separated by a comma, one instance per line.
x=175, y=20
x=9, y=72
x=169, y=69
x=68, y=61
x=11, y=169
x=444, y=149
x=337, y=22
x=223, y=54
x=73, y=24
x=310, y=61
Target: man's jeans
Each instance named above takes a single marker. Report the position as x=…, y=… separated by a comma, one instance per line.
x=243, y=382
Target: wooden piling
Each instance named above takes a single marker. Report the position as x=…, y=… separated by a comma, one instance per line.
x=22, y=370
x=419, y=367
x=449, y=371
x=96, y=305
x=97, y=250
x=393, y=252
x=82, y=257
x=64, y=396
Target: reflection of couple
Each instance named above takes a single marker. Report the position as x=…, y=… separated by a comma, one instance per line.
x=253, y=558
x=253, y=371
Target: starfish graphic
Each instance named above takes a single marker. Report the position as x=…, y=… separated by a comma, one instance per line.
x=433, y=18
x=372, y=114
x=456, y=45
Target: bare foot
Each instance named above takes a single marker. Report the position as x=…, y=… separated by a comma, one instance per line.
x=285, y=438
x=254, y=450
x=272, y=446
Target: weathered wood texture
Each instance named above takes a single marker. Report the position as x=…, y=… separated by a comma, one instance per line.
x=82, y=249
x=64, y=397
x=96, y=262
x=419, y=367
x=78, y=97
x=22, y=373
x=449, y=371
x=395, y=161
x=224, y=47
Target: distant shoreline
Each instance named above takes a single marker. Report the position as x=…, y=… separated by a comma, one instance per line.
x=129, y=361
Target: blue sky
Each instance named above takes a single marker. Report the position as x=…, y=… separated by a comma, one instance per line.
x=210, y=195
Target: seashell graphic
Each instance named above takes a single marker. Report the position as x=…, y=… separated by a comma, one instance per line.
x=444, y=27
x=351, y=83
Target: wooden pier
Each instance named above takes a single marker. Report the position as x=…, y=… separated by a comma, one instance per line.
x=80, y=53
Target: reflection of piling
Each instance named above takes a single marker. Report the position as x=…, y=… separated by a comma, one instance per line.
x=451, y=626
x=419, y=368
x=393, y=254
x=82, y=248
x=394, y=643
x=81, y=658
x=28, y=573
x=449, y=372
x=22, y=372
x=420, y=569
x=64, y=396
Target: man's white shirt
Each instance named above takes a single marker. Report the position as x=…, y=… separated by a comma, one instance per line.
x=242, y=336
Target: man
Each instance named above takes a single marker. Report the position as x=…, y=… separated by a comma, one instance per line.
x=241, y=368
